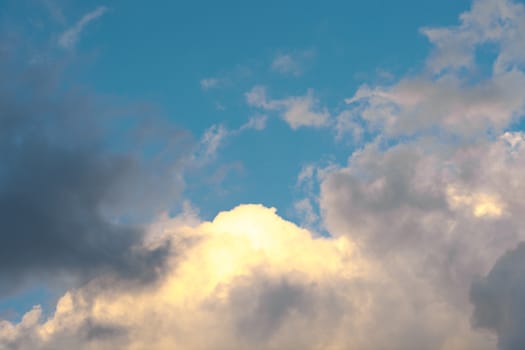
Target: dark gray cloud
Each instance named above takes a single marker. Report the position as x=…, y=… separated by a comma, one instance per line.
x=499, y=300
x=270, y=302
x=263, y=307
x=67, y=186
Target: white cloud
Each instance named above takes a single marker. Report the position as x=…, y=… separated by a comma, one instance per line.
x=480, y=204
x=441, y=206
x=257, y=122
x=451, y=96
x=285, y=64
x=212, y=138
x=297, y=111
x=347, y=123
x=69, y=38
x=249, y=279
x=257, y=97
x=301, y=111
x=305, y=210
x=498, y=22
x=209, y=83
x=293, y=63
x=414, y=223
x=306, y=176
x=418, y=104
x=437, y=214
x=215, y=136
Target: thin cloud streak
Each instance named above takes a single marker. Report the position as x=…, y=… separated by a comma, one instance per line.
x=69, y=38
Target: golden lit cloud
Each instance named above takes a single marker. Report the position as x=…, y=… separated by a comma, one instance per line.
x=248, y=279
x=479, y=203
x=195, y=297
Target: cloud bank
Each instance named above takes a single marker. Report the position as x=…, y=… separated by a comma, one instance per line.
x=248, y=279
x=425, y=227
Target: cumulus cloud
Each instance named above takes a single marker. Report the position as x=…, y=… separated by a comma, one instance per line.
x=297, y=111
x=434, y=200
x=69, y=38
x=452, y=212
x=436, y=217
x=436, y=194
x=497, y=22
x=249, y=279
x=452, y=96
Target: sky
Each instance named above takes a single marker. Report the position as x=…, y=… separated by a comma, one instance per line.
x=273, y=175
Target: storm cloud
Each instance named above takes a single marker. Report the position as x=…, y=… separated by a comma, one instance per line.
x=499, y=300
x=65, y=187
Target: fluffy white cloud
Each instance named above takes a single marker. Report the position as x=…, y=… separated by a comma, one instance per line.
x=410, y=198
x=249, y=279
x=436, y=216
x=297, y=111
x=413, y=223
x=437, y=196
x=497, y=22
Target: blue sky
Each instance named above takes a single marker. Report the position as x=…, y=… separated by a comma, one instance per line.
x=389, y=134
x=160, y=54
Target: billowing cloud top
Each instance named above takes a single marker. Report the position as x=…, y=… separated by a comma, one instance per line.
x=247, y=279
x=415, y=242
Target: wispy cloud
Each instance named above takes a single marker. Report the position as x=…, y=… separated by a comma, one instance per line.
x=211, y=140
x=226, y=78
x=297, y=111
x=209, y=83
x=254, y=123
x=215, y=136
x=292, y=63
x=413, y=220
x=69, y=38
